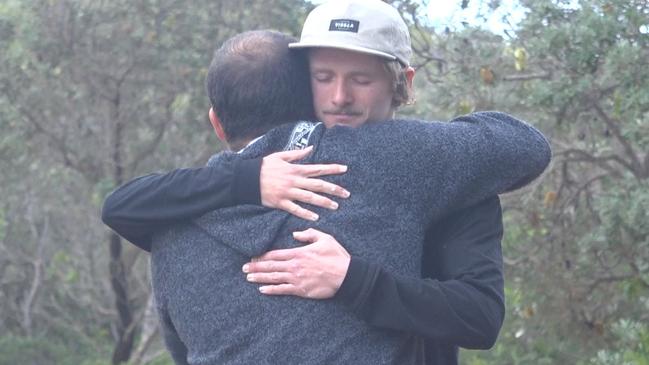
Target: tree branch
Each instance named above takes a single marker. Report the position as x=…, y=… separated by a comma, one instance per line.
x=607, y=279
x=613, y=125
x=151, y=147
x=150, y=329
x=601, y=161
x=37, y=263
x=543, y=76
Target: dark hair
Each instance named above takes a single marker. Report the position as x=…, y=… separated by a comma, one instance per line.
x=256, y=83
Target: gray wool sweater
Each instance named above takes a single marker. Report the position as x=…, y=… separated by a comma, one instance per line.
x=402, y=175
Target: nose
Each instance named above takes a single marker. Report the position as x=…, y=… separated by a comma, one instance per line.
x=342, y=95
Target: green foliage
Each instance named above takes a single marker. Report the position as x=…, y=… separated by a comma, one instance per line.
x=3, y=225
x=575, y=244
x=632, y=348
x=63, y=348
x=17, y=350
x=101, y=190
x=45, y=350
x=164, y=359
x=94, y=93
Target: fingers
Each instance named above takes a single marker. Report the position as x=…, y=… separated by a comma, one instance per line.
x=277, y=255
x=305, y=196
x=321, y=170
x=309, y=236
x=297, y=210
x=293, y=155
x=283, y=184
x=305, y=192
x=283, y=289
x=270, y=278
x=321, y=186
x=267, y=266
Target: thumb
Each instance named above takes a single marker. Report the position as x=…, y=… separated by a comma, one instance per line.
x=294, y=155
x=309, y=236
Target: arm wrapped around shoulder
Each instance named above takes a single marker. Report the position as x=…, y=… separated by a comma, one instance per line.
x=522, y=152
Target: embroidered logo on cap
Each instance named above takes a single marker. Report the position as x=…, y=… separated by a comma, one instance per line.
x=344, y=25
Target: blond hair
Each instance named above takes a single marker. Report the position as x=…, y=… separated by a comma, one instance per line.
x=402, y=94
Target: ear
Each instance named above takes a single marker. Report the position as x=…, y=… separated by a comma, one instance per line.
x=216, y=124
x=410, y=75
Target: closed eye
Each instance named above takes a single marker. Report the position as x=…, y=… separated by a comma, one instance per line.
x=322, y=76
x=361, y=80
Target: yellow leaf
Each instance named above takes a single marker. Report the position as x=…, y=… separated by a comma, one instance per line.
x=528, y=312
x=550, y=198
x=520, y=58
x=487, y=75
x=465, y=107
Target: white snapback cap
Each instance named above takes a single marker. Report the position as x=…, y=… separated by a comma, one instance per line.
x=365, y=26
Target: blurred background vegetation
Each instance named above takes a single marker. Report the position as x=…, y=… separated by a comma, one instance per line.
x=95, y=92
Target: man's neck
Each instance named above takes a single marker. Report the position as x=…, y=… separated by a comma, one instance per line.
x=240, y=147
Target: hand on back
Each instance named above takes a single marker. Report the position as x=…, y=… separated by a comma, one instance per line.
x=283, y=184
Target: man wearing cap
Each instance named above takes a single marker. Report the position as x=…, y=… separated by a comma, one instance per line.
x=463, y=304
x=461, y=301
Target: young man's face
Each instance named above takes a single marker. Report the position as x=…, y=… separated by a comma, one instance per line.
x=349, y=88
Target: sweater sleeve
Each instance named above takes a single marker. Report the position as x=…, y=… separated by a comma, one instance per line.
x=450, y=165
x=459, y=300
x=475, y=157
x=143, y=206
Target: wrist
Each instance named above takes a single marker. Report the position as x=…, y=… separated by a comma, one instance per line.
x=358, y=282
x=246, y=188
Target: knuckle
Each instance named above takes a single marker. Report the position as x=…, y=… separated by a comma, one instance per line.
x=298, y=169
x=320, y=200
x=306, y=196
x=302, y=181
x=283, y=186
x=315, y=198
x=295, y=267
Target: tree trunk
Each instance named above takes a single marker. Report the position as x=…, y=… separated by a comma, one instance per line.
x=125, y=325
x=150, y=328
x=118, y=275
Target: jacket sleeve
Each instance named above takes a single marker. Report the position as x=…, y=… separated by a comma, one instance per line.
x=459, y=300
x=143, y=206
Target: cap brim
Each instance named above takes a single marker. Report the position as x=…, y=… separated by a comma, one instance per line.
x=342, y=46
